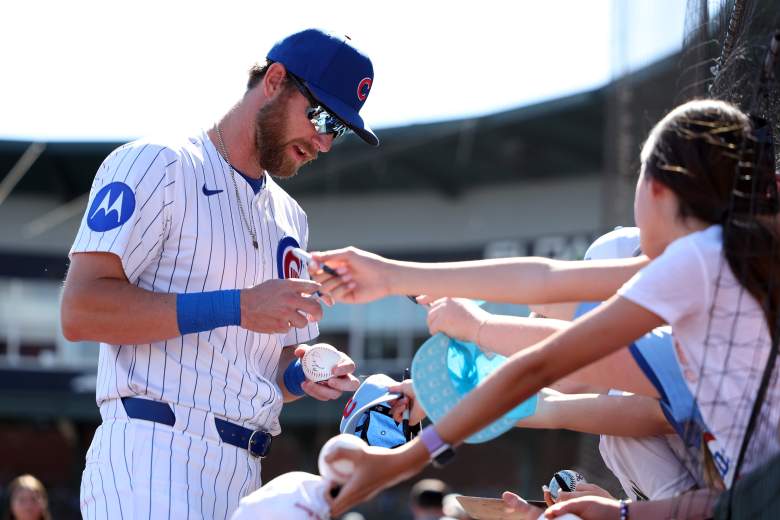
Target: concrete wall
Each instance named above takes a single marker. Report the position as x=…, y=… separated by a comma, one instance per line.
x=429, y=221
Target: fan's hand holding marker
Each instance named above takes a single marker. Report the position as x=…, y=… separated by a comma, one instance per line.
x=304, y=256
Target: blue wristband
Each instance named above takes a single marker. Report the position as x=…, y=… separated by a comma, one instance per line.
x=198, y=312
x=293, y=377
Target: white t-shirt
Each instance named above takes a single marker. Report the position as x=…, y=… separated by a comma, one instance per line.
x=648, y=468
x=170, y=212
x=721, y=341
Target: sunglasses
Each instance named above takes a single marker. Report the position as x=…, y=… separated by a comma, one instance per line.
x=324, y=122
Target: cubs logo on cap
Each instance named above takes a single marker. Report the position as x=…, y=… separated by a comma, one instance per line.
x=363, y=88
x=287, y=264
x=349, y=408
x=366, y=414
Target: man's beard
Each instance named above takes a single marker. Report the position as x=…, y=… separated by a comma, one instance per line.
x=270, y=144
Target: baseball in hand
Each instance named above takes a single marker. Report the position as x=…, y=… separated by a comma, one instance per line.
x=569, y=477
x=339, y=471
x=318, y=362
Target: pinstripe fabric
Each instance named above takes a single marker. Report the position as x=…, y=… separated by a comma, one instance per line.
x=162, y=472
x=185, y=234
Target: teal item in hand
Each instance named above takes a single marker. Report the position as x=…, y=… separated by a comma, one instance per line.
x=445, y=370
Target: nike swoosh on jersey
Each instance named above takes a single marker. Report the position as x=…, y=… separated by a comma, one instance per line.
x=207, y=192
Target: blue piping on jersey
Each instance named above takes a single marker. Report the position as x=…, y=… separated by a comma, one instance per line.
x=256, y=184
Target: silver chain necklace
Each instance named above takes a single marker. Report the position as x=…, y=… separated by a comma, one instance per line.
x=248, y=222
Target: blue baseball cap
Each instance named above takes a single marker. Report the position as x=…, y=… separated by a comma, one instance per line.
x=367, y=413
x=338, y=75
x=444, y=370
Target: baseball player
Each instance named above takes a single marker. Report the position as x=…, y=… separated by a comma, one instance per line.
x=183, y=270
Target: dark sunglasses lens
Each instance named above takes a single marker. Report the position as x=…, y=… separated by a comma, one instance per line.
x=325, y=123
x=336, y=127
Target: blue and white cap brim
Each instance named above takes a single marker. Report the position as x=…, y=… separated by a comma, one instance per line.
x=348, y=424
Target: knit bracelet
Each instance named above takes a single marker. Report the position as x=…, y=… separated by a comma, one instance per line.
x=623, y=510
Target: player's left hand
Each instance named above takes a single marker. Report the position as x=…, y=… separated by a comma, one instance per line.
x=343, y=379
x=514, y=504
x=590, y=507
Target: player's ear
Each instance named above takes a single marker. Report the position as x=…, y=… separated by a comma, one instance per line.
x=273, y=81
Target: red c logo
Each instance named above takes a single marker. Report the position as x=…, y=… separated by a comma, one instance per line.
x=349, y=408
x=292, y=265
x=363, y=88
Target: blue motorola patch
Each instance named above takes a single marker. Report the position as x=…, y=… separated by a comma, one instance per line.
x=113, y=205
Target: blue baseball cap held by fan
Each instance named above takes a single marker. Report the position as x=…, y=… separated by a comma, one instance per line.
x=338, y=75
x=367, y=413
x=444, y=370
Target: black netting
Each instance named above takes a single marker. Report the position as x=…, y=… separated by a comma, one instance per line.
x=725, y=49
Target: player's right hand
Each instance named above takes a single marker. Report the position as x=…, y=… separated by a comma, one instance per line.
x=362, y=276
x=275, y=306
x=458, y=318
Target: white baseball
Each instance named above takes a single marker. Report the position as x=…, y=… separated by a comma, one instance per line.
x=572, y=479
x=339, y=471
x=318, y=362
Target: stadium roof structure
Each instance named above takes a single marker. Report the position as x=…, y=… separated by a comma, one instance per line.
x=558, y=137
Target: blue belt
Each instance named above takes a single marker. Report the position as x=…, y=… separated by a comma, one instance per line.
x=256, y=442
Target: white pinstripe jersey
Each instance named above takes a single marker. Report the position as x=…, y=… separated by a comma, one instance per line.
x=170, y=213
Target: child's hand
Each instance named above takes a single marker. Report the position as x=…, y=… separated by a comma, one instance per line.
x=584, y=489
x=458, y=318
x=416, y=413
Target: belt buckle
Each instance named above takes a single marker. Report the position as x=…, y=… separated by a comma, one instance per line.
x=249, y=445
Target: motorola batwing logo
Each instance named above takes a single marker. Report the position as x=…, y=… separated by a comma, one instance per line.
x=112, y=206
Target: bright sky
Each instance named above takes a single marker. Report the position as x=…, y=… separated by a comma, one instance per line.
x=108, y=70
